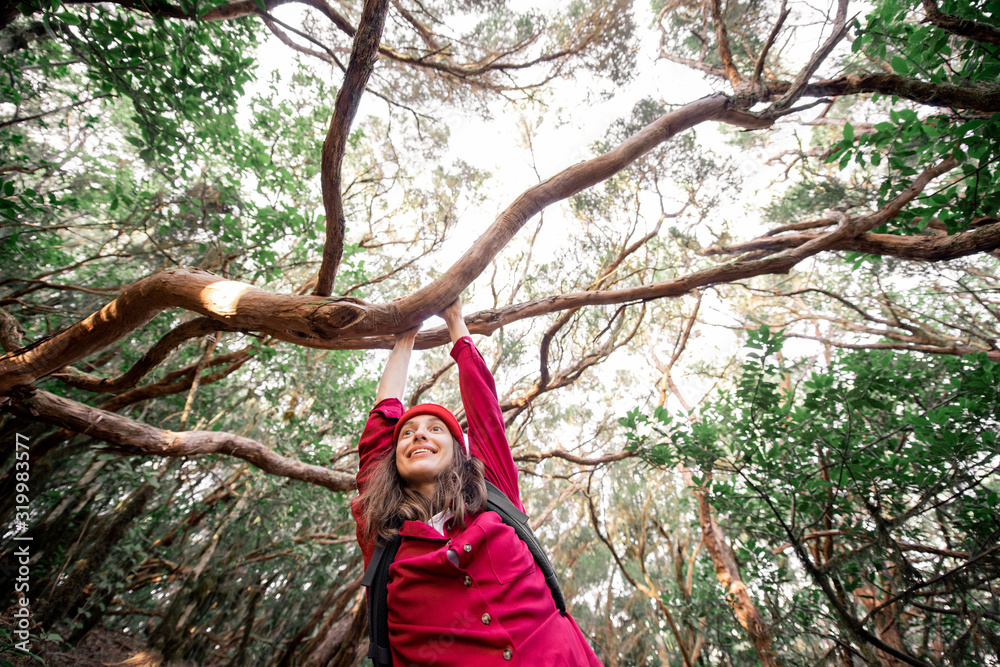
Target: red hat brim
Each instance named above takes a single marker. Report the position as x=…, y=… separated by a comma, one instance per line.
x=439, y=411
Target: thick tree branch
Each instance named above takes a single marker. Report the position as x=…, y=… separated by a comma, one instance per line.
x=141, y=438
x=919, y=248
x=982, y=97
x=173, y=383
x=348, y=323
x=192, y=289
x=153, y=358
x=359, y=70
x=974, y=30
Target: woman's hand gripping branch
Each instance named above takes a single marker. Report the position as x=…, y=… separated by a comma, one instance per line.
x=397, y=366
x=452, y=316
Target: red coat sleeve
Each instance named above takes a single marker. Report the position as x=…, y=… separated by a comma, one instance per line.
x=376, y=439
x=487, y=435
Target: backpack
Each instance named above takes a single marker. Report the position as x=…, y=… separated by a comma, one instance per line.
x=376, y=577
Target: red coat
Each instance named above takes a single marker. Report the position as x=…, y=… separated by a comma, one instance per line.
x=494, y=607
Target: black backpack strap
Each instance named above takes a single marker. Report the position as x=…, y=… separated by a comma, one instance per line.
x=497, y=502
x=376, y=579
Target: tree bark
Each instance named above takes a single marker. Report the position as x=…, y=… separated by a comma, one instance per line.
x=974, y=30
x=728, y=574
x=359, y=69
x=918, y=248
x=985, y=98
x=141, y=438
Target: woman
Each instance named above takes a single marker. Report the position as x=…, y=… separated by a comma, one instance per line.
x=464, y=589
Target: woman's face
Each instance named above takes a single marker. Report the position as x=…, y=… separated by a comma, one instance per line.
x=424, y=450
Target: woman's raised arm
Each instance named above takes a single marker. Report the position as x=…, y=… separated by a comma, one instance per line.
x=487, y=436
x=397, y=367
x=377, y=435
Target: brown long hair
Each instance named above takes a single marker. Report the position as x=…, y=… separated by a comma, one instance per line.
x=387, y=502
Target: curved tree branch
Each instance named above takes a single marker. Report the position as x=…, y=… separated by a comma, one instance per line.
x=359, y=70
x=974, y=30
x=348, y=323
x=153, y=358
x=173, y=383
x=141, y=438
x=919, y=248
x=983, y=97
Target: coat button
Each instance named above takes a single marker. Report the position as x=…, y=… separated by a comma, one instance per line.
x=507, y=654
x=486, y=619
x=467, y=581
x=467, y=548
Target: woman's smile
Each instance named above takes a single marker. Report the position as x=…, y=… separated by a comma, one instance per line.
x=420, y=451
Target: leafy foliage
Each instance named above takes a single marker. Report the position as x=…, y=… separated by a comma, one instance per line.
x=873, y=481
x=909, y=141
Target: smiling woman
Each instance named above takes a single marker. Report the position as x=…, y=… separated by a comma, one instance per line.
x=463, y=586
x=425, y=447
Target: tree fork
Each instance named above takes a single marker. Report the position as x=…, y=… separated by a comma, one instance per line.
x=310, y=320
x=330, y=323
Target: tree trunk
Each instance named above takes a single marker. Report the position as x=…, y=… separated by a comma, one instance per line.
x=728, y=574
x=71, y=593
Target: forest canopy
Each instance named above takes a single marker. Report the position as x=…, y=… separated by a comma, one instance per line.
x=734, y=265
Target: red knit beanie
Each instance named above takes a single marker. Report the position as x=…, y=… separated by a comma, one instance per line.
x=439, y=411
